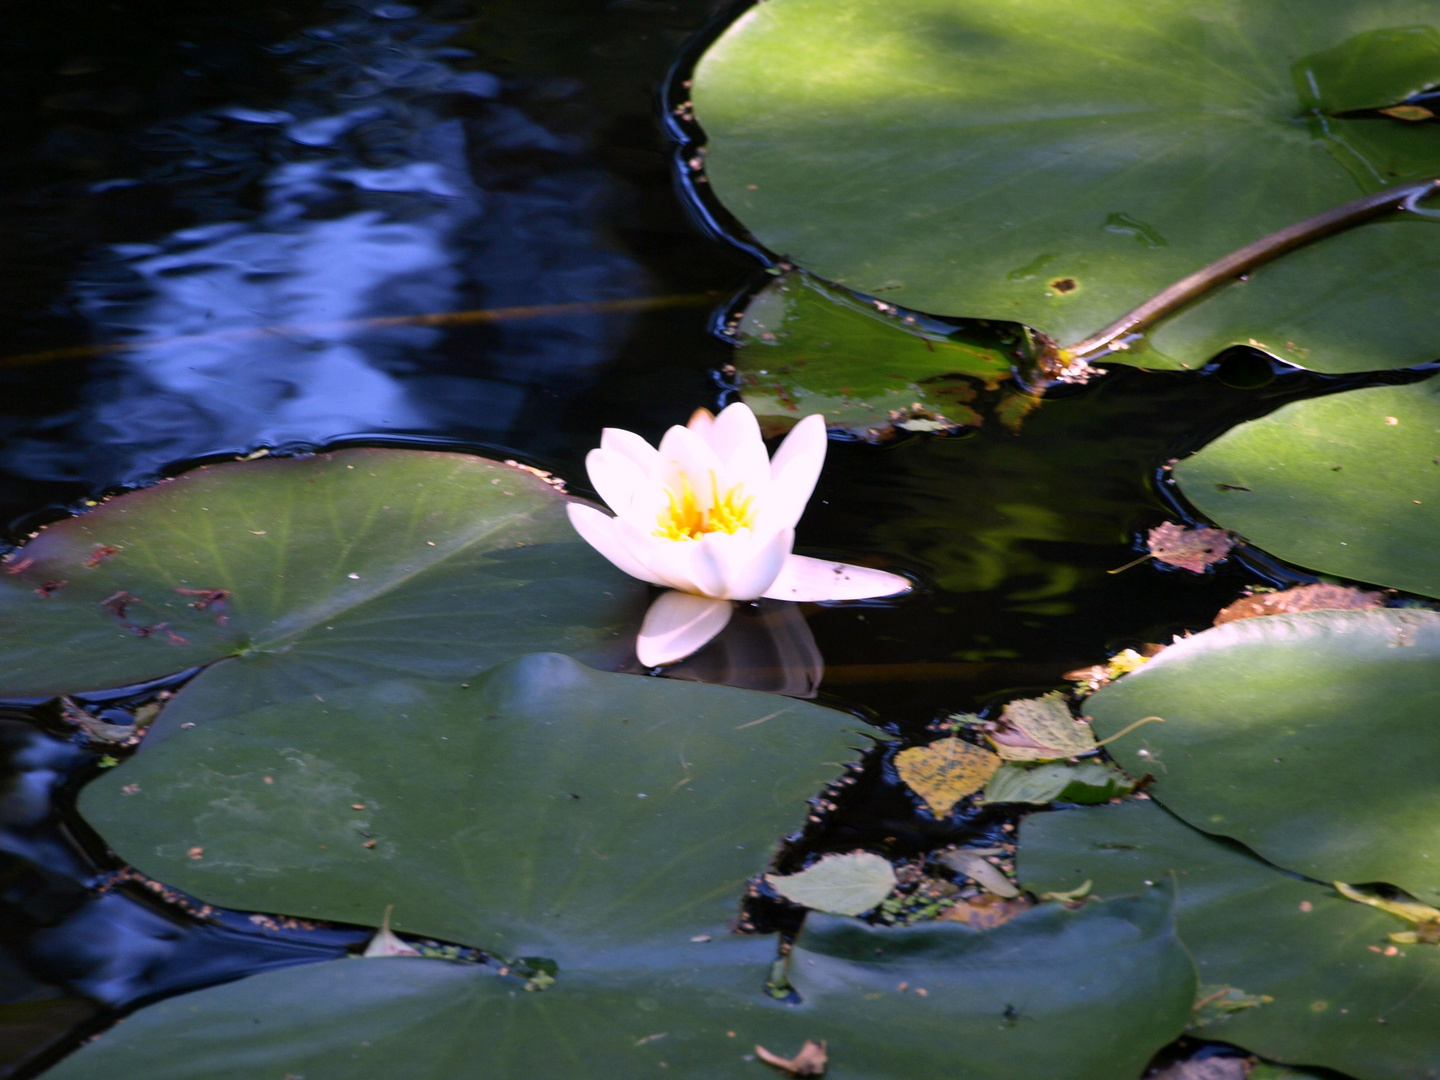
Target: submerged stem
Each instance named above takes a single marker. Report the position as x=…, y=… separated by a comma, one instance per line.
x=1336, y=219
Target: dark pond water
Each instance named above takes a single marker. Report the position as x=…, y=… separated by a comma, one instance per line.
x=207, y=205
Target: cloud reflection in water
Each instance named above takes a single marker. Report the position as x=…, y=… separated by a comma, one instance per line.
x=362, y=203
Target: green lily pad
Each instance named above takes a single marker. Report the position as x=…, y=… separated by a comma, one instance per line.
x=1347, y=484
x=309, y=572
x=1057, y=164
x=1337, y=1000
x=874, y=373
x=1309, y=738
x=1028, y=998
x=1052, y=995
x=544, y=809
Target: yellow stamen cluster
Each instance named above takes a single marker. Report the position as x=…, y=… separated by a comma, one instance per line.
x=685, y=519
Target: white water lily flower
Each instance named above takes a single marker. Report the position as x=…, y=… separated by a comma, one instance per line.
x=711, y=516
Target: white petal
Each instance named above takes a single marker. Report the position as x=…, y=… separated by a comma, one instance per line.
x=737, y=443
x=678, y=624
x=622, y=483
x=684, y=452
x=803, y=578
x=746, y=563
x=632, y=446
x=688, y=566
x=701, y=422
x=793, y=472
x=605, y=536
x=386, y=943
x=806, y=442
x=667, y=560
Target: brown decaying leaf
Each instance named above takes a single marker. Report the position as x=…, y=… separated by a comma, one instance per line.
x=985, y=912
x=1192, y=549
x=810, y=1061
x=945, y=772
x=1039, y=729
x=1319, y=597
x=1411, y=113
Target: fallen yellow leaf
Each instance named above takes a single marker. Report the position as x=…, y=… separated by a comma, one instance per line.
x=945, y=772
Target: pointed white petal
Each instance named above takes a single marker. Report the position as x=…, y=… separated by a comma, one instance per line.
x=806, y=442
x=793, y=472
x=746, y=563
x=737, y=443
x=804, y=578
x=620, y=482
x=684, y=452
x=677, y=624
x=701, y=421
x=632, y=446
x=386, y=943
x=605, y=536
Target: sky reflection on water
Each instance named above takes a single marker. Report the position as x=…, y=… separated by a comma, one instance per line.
x=390, y=181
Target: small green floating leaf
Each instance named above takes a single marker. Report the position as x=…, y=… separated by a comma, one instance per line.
x=1056, y=164
x=1338, y=1000
x=838, y=884
x=1347, y=484
x=1057, y=781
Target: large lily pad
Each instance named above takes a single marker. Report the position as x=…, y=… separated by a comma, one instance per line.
x=1337, y=999
x=1057, y=164
x=311, y=572
x=543, y=809
x=1347, y=484
x=810, y=348
x=1054, y=995
x=1310, y=738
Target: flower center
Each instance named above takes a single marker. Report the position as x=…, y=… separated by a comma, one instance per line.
x=684, y=519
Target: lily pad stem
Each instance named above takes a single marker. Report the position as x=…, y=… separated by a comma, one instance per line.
x=1336, y=219
x=1132, y=727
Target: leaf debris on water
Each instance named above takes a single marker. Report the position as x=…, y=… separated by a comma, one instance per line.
x=945, y=771
x=1317, y=597
x=1039, y=729
x=972, y=864
x=1425, y=917
x=838, y=884
x=1216, y=1002
x=985, y=912
x=810, y=1061
x=1190, y=549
